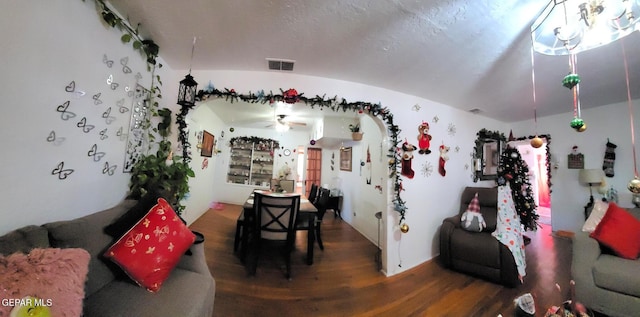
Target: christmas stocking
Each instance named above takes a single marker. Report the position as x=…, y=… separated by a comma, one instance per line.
x=407, y=157
x=443, y=159
x=609, y=159
x=406, y=167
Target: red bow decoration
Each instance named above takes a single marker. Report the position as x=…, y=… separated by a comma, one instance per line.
x=291, y=96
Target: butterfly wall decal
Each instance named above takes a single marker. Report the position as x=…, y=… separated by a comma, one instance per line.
x=108, y=118
x=86, y=128
x=71, y=87
x=107, y=61
x=56, y=140
x=103, y=134
x=113, y=85
x=93, y=152
x=109, y=169
x=122, y=136
x=129, y=91
x=125, y=69
x=61, y=171
x=65, y=114
x=121, y=107
x=96, y=99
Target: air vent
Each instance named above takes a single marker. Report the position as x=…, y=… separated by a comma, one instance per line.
x=475, y=110
x=280, y=64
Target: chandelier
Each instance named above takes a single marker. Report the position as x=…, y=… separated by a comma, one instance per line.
x=572, y=26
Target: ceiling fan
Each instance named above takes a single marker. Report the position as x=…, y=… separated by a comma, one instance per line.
x=281, y=120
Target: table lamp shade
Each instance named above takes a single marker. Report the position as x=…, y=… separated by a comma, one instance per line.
x=590, y=176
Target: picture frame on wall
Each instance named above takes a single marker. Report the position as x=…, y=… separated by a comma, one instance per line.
x=345, y=159
x=207, y=144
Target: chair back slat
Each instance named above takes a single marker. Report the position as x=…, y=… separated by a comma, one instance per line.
x=313, y=193
x=322, y=202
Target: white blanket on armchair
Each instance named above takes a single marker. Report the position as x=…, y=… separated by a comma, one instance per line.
x=509, y=230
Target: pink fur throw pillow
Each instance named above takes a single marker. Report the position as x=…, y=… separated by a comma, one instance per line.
x=55, y=276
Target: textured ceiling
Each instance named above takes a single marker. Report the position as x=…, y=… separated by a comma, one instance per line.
x=462, y=53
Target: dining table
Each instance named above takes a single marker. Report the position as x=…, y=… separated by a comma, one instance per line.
x=307, y=211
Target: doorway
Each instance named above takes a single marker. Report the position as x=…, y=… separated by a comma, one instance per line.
x=314, y=168
x=537, y=163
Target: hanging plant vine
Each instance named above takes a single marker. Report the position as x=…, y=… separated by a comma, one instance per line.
x=333, y=104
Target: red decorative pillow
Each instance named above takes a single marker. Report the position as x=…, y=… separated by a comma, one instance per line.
x=620, y=231
x=150, y=250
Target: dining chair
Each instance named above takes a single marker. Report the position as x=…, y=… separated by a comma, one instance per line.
x=240, y=226
x=320, y=204
x=274, y=223
x=313, y=193
x=287, y=185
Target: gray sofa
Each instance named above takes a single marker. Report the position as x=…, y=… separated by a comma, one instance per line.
x=189, y=290
x=604, y=282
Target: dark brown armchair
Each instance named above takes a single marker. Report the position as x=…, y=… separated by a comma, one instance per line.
x=477, y=253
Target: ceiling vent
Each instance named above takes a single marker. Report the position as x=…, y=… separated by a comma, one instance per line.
x=280, y=64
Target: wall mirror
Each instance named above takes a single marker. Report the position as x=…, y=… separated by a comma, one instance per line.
x=489, y=146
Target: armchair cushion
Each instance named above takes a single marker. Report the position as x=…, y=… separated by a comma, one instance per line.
x=606, y=274
x=619, y=231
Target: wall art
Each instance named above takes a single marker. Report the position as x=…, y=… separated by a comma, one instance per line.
x=136, y=141
x=345, y=159
x=207, y=144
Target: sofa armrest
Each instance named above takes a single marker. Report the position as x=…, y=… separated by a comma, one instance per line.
x=196, y=261
x=446, y=230
x=586, y=251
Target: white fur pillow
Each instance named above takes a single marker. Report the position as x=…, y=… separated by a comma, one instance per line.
x=599, y=209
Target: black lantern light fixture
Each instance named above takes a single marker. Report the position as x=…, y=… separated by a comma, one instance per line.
x=188, y=86
x=187, y=91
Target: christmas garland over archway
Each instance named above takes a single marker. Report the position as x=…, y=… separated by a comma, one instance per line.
x=254, y=139
x=333, y=104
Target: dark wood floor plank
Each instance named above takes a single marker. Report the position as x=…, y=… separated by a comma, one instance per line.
x=344, y=281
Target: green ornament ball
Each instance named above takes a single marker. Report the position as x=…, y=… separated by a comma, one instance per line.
x=571, y=80
x=576, y=123
x=231, y=129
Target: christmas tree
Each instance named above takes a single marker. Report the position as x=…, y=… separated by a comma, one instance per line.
x=514, y=169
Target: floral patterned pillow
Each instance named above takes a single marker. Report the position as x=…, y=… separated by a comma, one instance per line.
x=150, y=250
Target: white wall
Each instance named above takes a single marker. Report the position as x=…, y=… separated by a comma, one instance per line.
x=45, y=46
x=202, y=189
x=568, y=196
x=429, y=198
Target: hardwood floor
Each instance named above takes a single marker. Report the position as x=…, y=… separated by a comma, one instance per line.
x=344, y=281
